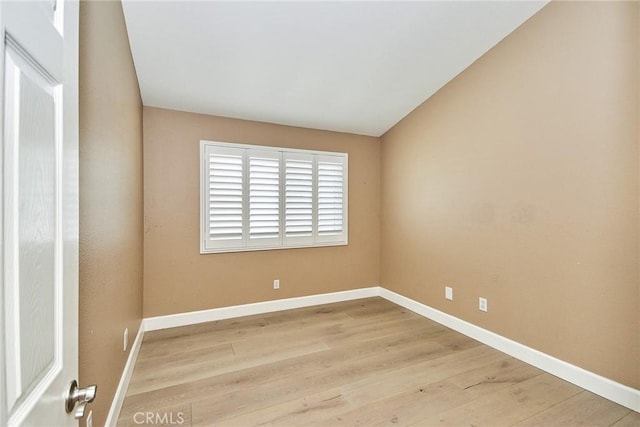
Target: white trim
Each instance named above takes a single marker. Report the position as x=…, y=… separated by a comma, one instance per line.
x=123, y=385
x=614, y=391
x=272, y=248
x=11, y=300
x=267, y=147
x=194, y=317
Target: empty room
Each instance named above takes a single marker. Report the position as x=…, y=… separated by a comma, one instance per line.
x=315, y=213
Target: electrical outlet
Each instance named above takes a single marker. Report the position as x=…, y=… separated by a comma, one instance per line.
x=276, y=284
x=448, y=292
x=482, y=304
x=125, y=342
x=90, y=419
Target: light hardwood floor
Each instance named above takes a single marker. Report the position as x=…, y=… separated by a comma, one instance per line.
x=364, y=362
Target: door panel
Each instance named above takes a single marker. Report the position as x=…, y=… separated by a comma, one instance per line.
x=30, y=291
x=37, y=233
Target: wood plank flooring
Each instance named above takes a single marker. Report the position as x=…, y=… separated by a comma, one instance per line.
x=366, y=362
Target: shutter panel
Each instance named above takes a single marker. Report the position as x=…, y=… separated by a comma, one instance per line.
x=264, y=197
x=330, y=196
x=225, y=173
x=331, y=206
x=298, y=221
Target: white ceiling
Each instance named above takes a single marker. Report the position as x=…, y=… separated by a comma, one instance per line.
x=355, y=67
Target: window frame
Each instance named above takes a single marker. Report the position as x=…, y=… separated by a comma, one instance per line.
x=284, y=242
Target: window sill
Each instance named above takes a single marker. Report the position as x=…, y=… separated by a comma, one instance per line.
x=270, y=248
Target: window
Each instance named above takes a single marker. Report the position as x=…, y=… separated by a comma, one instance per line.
x=255, y=197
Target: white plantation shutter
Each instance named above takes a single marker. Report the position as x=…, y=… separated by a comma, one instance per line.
x=256, y=197
x=299, y=198
x=331, y=198
x=264, y=197
x=225, y=180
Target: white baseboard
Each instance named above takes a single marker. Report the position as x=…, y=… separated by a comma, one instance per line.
x=614, y=391
x=123, y=385
x=193, y=317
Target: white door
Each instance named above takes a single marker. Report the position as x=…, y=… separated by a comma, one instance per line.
x=39, y=75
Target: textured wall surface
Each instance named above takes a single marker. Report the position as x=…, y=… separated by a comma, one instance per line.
x=518, y=182
x=111, y=227
x=177, y=278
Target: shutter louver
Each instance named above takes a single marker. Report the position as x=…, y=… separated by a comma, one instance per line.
x=225, y=197
x=298, y=197
x=264, y=197
x=330, y=198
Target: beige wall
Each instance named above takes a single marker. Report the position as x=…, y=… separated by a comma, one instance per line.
x=110, y=199
x=518, y=181
x=178, y=279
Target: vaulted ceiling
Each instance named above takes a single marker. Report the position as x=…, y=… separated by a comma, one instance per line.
x=356, y=67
